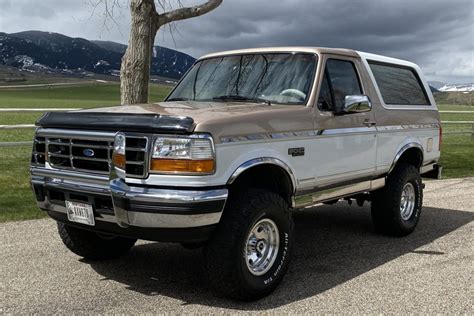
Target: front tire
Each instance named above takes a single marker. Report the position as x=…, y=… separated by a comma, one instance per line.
x=93, y=246
x=396, y=208
x=249, y=253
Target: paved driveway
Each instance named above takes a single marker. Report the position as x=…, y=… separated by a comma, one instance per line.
x=339, y=266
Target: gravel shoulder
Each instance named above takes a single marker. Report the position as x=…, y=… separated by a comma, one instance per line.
x=339, y=266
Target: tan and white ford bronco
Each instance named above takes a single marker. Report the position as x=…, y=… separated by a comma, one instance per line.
x=245, y=139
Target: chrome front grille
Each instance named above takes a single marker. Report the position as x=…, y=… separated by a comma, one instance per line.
x=38, y=154
x=136, y=156
x=79, y=154
x=89, y=152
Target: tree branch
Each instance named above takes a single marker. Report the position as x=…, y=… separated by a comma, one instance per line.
x=109, y=14
x=186, y=13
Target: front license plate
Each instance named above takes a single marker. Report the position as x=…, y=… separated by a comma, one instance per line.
x=80, y=213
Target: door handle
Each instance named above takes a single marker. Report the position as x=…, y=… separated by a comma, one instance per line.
x=369, y=123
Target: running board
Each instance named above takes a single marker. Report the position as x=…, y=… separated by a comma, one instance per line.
x=337, y=192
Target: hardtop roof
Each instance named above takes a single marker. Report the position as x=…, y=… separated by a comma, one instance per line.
x=313, y=50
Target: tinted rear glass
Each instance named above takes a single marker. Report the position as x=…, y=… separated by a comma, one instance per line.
x=399, y=85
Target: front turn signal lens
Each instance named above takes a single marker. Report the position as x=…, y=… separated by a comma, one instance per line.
x=119, y=160
x=182, y=166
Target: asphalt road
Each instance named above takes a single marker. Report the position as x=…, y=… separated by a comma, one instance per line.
x=339, y=266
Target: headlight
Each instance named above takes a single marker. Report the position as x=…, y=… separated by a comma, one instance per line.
x=183, y=155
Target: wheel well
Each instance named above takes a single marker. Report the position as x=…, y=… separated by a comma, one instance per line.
x=413, y=156
x=265, y=176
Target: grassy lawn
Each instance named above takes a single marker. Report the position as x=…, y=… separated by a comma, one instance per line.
x=16, y=135
x=457, y=156
x=85, y=96
x=457, y=153
x=17, y=201
x=455, y=107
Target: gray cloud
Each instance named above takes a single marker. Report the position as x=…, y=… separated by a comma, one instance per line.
x=437, y=34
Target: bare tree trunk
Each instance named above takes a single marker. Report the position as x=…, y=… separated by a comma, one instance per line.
x=135, y=70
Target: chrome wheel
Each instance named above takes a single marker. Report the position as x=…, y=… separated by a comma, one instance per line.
x=261, y=248
x=407, y=202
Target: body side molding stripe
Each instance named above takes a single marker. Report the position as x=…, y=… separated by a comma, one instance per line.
x=326, y=132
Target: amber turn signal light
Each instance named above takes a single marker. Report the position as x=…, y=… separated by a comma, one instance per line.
x=183, y=165
x=118, y=160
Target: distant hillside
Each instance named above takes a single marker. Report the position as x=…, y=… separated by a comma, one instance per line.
x=436, y=84
x=460, y=98
x=166, y=60
x=36, y=51
x=111, y=46
x=433, y=89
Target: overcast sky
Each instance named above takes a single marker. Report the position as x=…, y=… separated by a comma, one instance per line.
x=436, y=34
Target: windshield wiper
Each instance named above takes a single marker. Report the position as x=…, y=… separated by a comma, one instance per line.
x=240, y=98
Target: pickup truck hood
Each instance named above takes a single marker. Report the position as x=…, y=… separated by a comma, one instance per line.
x=220, y=119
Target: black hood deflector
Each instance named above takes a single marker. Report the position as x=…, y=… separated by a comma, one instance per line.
x=130, y=122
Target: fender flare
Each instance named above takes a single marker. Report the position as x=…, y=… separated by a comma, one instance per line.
x=263, y=161
x=403, y=150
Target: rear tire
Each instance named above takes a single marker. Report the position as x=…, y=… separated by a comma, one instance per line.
x=91, y=245
x=248, y=255
x=396, y=208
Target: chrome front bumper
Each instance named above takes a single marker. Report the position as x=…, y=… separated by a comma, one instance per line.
x=131, y=206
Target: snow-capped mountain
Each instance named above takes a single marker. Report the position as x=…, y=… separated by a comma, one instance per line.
x=436, y=84
x=36, y=51
x=467, y=87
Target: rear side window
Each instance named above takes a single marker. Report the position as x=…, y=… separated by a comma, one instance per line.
x=399, y=85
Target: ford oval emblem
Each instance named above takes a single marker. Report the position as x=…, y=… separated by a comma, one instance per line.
x=88, y=152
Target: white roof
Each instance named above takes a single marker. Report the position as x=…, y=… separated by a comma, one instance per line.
x=314, y=50
x=386, y=59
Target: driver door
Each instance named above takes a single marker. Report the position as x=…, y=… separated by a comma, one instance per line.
x=346, y=142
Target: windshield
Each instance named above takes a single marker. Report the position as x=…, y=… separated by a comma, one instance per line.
x=274, y=78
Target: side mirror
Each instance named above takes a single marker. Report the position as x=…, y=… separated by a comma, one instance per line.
x=356, y=104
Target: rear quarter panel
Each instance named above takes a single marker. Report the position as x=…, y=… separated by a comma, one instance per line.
x=399, y=125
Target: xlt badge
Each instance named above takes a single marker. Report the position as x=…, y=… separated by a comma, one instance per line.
x=298, y=151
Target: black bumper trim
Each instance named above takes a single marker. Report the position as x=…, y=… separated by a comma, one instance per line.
x=191, y=208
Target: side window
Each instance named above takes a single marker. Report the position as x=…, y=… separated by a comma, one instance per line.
x=325, y=102
x=340, y=80
x=399, y=85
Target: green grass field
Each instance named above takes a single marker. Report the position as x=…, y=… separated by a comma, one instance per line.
x=77, y=96
x=457, y=156
x=16, y=198
x=457, y=153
